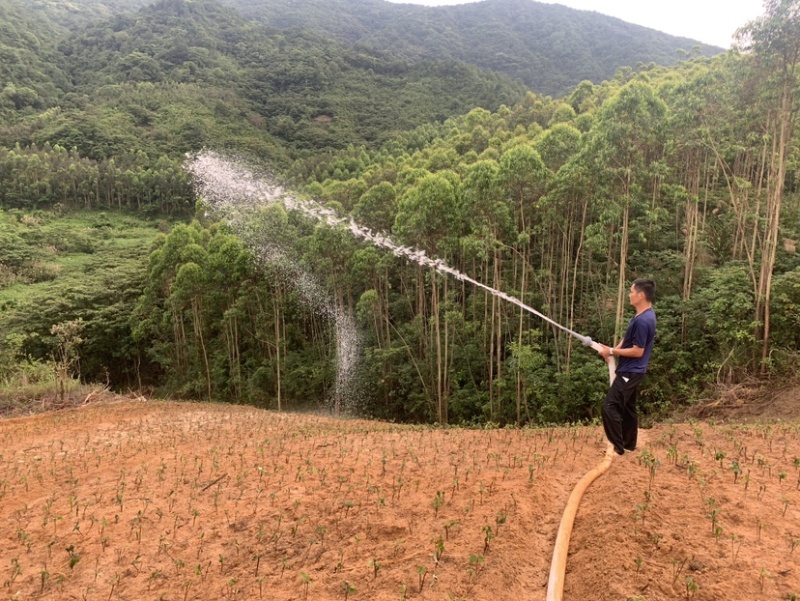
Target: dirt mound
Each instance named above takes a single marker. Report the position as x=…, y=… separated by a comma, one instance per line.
x=188, y=501
x=27, y=403
x=751, y=402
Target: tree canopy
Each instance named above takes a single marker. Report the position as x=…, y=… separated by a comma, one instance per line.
x=687, y=174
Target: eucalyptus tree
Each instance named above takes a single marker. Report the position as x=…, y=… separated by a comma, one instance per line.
x=157, y=319
x=625, y=146
x=428, y=217
x=523, y=178
x=773, y=43
x=489, y=225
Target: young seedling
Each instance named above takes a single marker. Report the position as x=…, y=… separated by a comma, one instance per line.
x=764, y=575
x=422, y=571
x=437, y=502
x=737, y=471
x=44, y=576
x=677, y=568
x=306, y=580
x=500, y=519
x=16, y=569
x=74, y=558
x=114, y=581
x=640, y=511
x=713, y=512
x=475, y=563
x=438, y=550
x=376, y=567
x=672, y=454
x=488, y=536
x=447, y=528
x=736, y=544
x=648, y=460
x=348, y=588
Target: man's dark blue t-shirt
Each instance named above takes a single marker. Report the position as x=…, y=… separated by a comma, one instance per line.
x=641, y=332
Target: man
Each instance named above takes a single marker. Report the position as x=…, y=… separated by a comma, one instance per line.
x=620, y=419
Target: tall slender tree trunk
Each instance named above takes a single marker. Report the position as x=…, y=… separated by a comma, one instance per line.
x=520, y=375
x=437, y=326
x=623, y=261
x=277, y=317
x=575, y=270
x=492, y=327
x=198, y=331
x=775, y=202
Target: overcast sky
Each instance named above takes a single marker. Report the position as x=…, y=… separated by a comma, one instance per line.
x=709, y=21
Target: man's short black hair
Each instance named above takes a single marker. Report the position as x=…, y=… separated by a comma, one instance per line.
x=647, y=287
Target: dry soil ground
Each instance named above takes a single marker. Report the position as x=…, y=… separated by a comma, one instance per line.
x=152, y=500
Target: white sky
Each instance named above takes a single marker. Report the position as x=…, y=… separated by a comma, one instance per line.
x=709, y=21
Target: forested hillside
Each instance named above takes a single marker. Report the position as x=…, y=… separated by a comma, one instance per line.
x=180, y=74
x=550, y=47
x=688, y=174
x=30, y=70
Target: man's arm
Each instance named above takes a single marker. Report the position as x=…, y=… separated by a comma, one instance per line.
x=633, y=352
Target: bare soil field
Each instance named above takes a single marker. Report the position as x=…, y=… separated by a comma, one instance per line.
x=181, y=501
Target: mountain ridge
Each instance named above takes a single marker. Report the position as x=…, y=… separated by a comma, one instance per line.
x=550, y=48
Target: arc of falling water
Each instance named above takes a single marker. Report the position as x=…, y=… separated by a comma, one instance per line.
x=240, y=186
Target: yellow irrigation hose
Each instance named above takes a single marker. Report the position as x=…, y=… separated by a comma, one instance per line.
x=555, y=585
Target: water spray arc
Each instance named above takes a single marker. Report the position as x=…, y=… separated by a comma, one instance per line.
x=348, y=340
x=240, y=213
x=227, y=185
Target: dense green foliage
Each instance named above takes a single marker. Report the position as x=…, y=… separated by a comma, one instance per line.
x=53, y=177
x=180, y=74
x=561, y=208
x=86, y=267
x=551, y=48
x=686, y=174
x=548, y=46
x=30, y=77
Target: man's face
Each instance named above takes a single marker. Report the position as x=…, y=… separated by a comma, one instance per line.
x=635, y=296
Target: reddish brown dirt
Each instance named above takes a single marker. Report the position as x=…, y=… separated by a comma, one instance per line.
x=171, y=501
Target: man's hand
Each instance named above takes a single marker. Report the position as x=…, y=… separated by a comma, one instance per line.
x=605, y=351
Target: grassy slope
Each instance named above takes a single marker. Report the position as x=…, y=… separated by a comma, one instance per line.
x=65, y=249
x=84, y=265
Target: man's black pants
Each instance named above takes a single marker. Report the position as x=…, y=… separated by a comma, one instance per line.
x=620, y=420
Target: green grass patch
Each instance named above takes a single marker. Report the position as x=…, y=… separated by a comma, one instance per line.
x=87, y=265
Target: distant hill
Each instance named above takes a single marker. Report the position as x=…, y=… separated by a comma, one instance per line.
x=177, y=75
x=549, y=47
x=30, y=67
x=77, y=13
